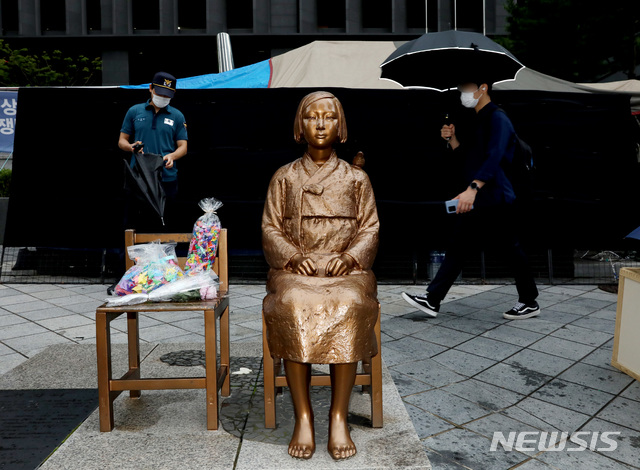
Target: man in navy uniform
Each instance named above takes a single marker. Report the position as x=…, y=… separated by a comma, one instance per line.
x=485, y=212
x=161, y=129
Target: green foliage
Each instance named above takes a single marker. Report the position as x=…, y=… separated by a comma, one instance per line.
x=575, y=40
x=5, y=182
x=18, y=67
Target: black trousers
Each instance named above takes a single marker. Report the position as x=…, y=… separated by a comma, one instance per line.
x=492, y=227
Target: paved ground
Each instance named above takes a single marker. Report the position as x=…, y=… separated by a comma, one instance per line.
x=462, y=376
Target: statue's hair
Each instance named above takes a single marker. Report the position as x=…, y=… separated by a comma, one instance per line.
x=298, y=126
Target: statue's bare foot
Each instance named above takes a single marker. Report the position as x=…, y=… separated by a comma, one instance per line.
x=340, y=445
x=303, y=442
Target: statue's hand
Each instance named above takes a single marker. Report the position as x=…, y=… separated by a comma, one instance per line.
x=340, y=265
x=304, y=265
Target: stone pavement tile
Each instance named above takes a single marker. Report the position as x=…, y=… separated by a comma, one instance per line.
x=490, y=316
x=4, y=350
x=237, y=332
x=158, y=332
x=425, y=423
x=514, y=378
x=470, y=450
x=8, y=292
x=20, y=329
x=443, y=336
x=605, y=314
x=569, y=290
x=512, y=335
x=51, y=294
x=622, y=411
x=628, y=441
x=480, y=302
x=393, y=357
x=585, y=460
x=632, y=392
x=46, y=313
x=406, y=385
x=534, y=464
x=573, y=396
x=462, y=362
x=582, y=335
x=68, y=321
x=474, y=327
x=84, y=307
x=486, y=395
x=242, y=315
x=504, y=306
x=403, y=325
x=193, y=325
x=397, y=309
x=447, y=406
x=548, y=299
x=90, y=289
x=429, y=372
x=562, y=348
x=510, y=290
x=607, y=380
x=252, y=324
x=415, y=348
x=11, y=319
x=74, y=299
x=78, y=333
x=554, y=316
x=30, y=345
x=28, y=306
x=540, y=362
x=458, y=309
x=245, y=301
x=490, y=348
x=537, y=324
x=187, y=338
x=597, y=324
x=15, y=299
x=439, y=462
x=608, y=345
x=10, y=361
x=555, y=417
x=600, y=295
x=581, y=306
x=600, y=357
x=249, y=339
x=499, y=423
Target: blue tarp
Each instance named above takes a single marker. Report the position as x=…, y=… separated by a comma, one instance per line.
x=252, y=76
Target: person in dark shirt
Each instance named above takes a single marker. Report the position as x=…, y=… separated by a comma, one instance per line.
x=485, y=215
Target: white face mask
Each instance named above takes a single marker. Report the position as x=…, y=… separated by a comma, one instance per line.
x=467, y=99
x=161, y=101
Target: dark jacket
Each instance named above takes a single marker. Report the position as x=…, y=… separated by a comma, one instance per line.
x=488, y=151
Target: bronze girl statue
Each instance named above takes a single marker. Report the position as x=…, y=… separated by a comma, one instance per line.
x=320, y=237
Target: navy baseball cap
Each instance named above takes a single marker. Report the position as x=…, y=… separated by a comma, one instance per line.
x=164, y=84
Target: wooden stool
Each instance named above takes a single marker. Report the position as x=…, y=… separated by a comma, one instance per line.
x=216, y=376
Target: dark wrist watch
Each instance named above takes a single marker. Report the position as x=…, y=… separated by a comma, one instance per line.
x=474, y=185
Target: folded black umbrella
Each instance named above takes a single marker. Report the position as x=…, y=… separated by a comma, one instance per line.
x=145, y=180
x=444, y=60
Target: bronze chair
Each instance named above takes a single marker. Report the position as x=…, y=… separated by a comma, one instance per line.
x=275, y=379
x=216, y=375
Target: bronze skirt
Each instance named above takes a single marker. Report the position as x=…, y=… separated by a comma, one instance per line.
x=321, y=320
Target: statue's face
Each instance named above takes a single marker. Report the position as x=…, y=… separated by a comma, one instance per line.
x=321, y=123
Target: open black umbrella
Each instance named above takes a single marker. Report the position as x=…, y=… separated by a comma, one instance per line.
x=145, y=179
x=442, y=61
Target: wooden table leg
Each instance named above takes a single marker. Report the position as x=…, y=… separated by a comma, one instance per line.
x=224, y=352
x=376, y=380
x=103, y=350
x=268, y=373
x=211, y=368
x=133, y=340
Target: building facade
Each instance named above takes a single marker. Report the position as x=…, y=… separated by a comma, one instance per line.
x=135, y=37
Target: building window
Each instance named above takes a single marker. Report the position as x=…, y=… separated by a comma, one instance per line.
x=376, y=14
x=94, y=16
x=469, y=15
x=192, y=14
x=53, y=16
x=239, y=14
x=331, y=14
x=10, y=19
x=146, y=15
x=416, y=14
